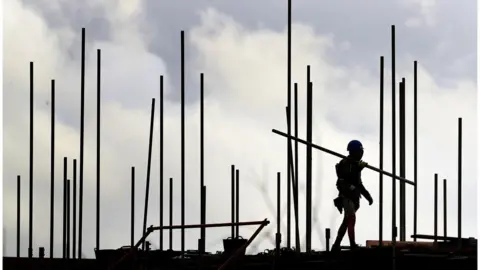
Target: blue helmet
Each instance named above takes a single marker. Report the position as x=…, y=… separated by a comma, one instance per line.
x=354, y=145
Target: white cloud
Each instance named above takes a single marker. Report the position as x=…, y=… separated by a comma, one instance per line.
x=413, y=22
x=245, y=76
x=426, y=10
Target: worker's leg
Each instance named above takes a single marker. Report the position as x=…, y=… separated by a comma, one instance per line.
x=340, y=234
x=350, y=209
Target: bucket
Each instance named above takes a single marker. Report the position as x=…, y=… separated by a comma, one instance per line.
x=231, y=245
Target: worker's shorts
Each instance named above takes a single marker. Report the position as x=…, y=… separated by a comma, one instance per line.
x=349, y=206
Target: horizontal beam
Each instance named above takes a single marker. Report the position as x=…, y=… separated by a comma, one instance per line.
x=341, y=156
x=151, y=229
x=432, y=237
x=399, y=244
x=211, y=225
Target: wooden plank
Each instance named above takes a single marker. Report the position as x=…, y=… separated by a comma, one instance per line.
x=448, y=238
x=399, y=244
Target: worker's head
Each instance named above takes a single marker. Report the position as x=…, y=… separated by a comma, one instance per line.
x=355, y=149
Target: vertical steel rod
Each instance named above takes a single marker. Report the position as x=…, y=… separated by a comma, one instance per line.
x=291, y=178
x=82, y=138
x=149, y=166
x=293, y=184
x=289, y=104
x=402, y=160
x=204, y=211
x=161, y=162
x=415, y=160
x=327, y=239
x=394, y=148
x=30, y=191
x=309, y=165
x=278, y=235
x=68, y=219
x=132, y=209
x=99, y=73
x=445, y=208
x=233, y=199
x=237, y=202
x=394, y=156
x=435, y=209
x=380, y=176
x=182, y=97
x=18, y=214
x=64, y=239
x=74, y=218
x=202, y=165
x=52, y=168
x=297, y=213
x=170, y=215
x=460, y=181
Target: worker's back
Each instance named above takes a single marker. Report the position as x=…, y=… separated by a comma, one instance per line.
x=349, y=172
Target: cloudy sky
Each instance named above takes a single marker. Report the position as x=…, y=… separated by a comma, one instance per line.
x=241, y=47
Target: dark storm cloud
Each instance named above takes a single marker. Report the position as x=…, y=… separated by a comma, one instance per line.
x=365, y=25
x=362, y=25
x=81, y=14
x=361, y=31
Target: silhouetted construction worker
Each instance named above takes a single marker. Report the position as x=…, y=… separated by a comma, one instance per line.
x=350, y=187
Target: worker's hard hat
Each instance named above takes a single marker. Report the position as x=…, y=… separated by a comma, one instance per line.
x=354, y=145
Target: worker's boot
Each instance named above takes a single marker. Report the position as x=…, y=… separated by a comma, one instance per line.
x=336, y=248
x=338, y=241
x=354, y=246
x=340, y=234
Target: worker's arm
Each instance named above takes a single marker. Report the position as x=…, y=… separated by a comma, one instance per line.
x=365, y=193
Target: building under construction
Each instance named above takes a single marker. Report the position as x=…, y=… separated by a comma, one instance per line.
x=436, y=250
